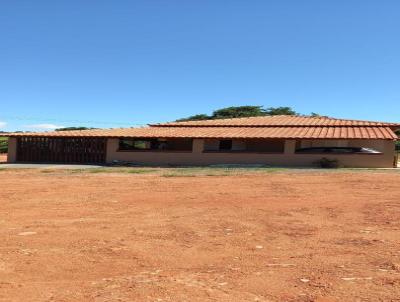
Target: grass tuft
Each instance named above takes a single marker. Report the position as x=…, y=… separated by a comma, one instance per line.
x=47, y=171
x=141, y=171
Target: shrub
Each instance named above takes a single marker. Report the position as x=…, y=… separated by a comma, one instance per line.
x=327, y=163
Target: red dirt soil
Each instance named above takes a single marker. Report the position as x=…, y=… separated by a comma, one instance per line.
x=304, y=236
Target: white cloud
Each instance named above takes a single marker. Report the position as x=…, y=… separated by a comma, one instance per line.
x=3, y=124
x=43, y=126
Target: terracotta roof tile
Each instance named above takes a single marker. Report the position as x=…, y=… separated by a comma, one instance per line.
x=308, y=132
x=277, y=120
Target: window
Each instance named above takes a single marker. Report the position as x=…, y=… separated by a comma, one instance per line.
x=245, y=145
x=130, y=144
x=156, y=144
x=225, y=144
x=265, y=145
x=337, y=150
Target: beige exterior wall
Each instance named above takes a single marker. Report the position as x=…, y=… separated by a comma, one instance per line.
x=12, y=150
x=288, y=158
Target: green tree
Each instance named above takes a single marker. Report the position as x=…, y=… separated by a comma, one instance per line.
x=73, y=128
x=3, y=144
x=240, y=111
x=197, y=117
x=280, y=111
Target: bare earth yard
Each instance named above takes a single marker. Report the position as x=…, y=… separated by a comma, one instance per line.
x=276, y=236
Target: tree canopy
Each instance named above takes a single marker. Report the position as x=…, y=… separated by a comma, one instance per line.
x=280, y=111
x=241, y=111
x=73, y=128
x=197, y=117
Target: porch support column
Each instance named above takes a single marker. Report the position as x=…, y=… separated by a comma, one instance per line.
x=12, y=150
x=198, y=146
x=290, y=146
x=112, y=148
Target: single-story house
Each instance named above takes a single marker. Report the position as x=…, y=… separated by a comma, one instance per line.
x=271, y=140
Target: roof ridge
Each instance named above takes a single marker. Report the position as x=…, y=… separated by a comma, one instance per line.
x=290, y=118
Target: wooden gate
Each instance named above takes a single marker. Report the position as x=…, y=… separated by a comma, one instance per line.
x=61, y=149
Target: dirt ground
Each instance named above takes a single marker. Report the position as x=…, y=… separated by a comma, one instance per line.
x=281, y=236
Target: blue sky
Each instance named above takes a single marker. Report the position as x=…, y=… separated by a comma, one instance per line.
x=123, y=63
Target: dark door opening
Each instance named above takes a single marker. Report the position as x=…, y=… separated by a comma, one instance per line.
x=61, y=150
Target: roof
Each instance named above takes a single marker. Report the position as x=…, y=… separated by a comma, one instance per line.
x=273, y=127
x=279, y=121
x=232, y=132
